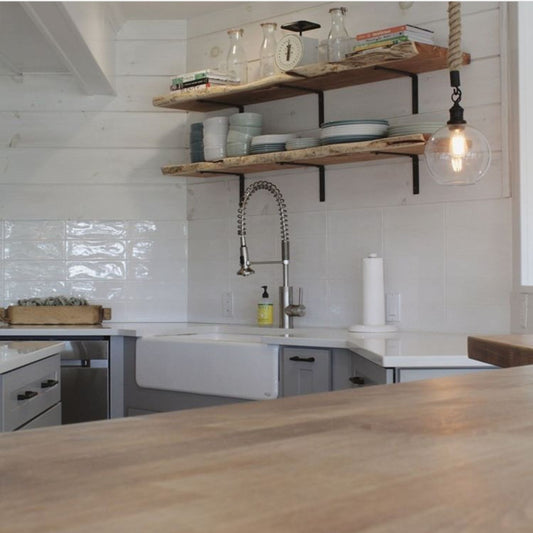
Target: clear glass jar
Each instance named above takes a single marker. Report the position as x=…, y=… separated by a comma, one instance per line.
x=338, y=39
x=236, y=63
x=267, y=63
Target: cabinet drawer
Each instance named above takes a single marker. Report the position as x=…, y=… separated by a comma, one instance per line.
x=305, y=371
x=29, y=391
x=52, y=417
x=368, y=373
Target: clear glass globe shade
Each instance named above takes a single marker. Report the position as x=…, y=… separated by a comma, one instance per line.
x=457, y=154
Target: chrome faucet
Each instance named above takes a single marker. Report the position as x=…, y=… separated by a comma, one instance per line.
x=287, y=309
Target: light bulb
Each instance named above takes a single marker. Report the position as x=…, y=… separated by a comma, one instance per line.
x=457, y=154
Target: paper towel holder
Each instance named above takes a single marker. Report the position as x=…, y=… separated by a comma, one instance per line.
x=374, y=320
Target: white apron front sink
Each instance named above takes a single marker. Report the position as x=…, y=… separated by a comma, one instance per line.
x=221, y=364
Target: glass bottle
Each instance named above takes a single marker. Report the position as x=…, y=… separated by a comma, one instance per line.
x=267, y=64
x=236, y=63
x=338, y=39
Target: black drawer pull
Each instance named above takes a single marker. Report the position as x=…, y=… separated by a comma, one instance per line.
x=49, y=383
x=302, y=359
x=27, y=395
x=356, y=380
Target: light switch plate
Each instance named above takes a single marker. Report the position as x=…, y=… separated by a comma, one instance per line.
x=227, y=304
x=392, y=307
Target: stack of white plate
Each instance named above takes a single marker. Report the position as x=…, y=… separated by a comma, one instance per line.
x=345, y=131
x=301, y=142
x=414, y=127
x=263, y=144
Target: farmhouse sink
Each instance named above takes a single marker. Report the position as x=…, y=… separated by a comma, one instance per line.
x=233, y=365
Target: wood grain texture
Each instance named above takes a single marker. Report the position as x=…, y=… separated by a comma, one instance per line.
x=502, y=350
x=55, y=315
x=409, y=57
x=332, y=154
x=446, y=455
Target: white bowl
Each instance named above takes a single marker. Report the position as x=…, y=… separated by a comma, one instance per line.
x=246, y=119
x=353, y=129
x=216, y=121
x=214, y=153
x=272, y=139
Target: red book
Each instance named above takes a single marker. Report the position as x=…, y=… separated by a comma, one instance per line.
x=394, y=29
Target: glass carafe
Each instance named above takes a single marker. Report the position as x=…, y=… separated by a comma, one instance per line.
x=338, y=39
x=267, y=64
x=236, y=63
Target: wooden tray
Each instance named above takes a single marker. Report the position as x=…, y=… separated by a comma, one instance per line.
x=55, y=315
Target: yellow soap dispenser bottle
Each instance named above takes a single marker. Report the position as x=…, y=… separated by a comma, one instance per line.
x=265, y=309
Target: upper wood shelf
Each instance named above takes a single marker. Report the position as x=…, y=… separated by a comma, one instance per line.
x=413, y=58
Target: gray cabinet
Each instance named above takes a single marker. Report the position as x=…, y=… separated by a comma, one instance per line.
x=305, y=371
x=404, y=375
x=30, y=392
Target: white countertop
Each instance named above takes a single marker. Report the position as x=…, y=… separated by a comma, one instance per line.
x=400, y=349
x=14, y=354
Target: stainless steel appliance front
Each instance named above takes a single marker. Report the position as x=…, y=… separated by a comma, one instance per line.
x=84, y=381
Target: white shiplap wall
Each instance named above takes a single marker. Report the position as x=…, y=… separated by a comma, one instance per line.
x=447, y=251
x=88, y=169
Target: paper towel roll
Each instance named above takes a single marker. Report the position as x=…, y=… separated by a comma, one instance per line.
x=373, y=291
x=373, y=297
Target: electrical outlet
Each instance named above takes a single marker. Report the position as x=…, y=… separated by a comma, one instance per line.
x=227, y=304
x=523, y=310
x=392, y=307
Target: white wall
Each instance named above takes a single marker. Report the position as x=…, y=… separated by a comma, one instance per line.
x=84, y=208
x=447, y=251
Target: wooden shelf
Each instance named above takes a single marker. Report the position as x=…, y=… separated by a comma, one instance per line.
x=333, y=154
x=404, y=58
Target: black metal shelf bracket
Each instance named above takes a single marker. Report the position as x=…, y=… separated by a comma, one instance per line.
x=321, y=176
x=414, y=111
x=415, y=168
x=225, y=104
x=319, y=93
x=241, y=179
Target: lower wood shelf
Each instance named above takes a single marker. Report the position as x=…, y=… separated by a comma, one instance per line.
x=332, y=154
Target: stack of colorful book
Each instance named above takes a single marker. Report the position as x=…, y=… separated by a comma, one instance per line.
x=391, y=36
x=201, y=79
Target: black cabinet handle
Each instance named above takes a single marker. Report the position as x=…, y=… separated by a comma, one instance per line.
x=356, y=380
x=27, y=395
x=302, y=359
x=49, y=383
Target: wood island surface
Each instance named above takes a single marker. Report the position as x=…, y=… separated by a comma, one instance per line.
x=448, y=455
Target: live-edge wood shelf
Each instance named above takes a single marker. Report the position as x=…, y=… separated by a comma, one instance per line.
x=405, y=59
x=332, y=154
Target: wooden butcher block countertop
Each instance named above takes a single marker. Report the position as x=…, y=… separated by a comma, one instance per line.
x=502, y=350
x=447, y=455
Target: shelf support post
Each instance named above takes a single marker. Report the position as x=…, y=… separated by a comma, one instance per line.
x=319, y=93
x=414, y=111
x=241, y=179
x=414, y=165
x=321, y=177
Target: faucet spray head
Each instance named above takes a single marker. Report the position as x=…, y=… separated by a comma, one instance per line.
x=246, y=269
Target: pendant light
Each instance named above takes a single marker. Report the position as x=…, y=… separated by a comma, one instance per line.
x=457, y=154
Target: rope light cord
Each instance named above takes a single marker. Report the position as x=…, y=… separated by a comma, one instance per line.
x=455, y=58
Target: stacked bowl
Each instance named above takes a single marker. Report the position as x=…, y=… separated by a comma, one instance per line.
x=196, y=142
x=242, y=127
x=345, y=131
x=215, y=133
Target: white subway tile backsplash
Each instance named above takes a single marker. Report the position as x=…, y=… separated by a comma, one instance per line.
x=94, y=250
x=19, y=230
x=102, y=270
x=34, y=250
x=34, y=270
x=95, y=229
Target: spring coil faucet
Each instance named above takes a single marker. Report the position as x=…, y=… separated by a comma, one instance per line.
x=287, y=309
